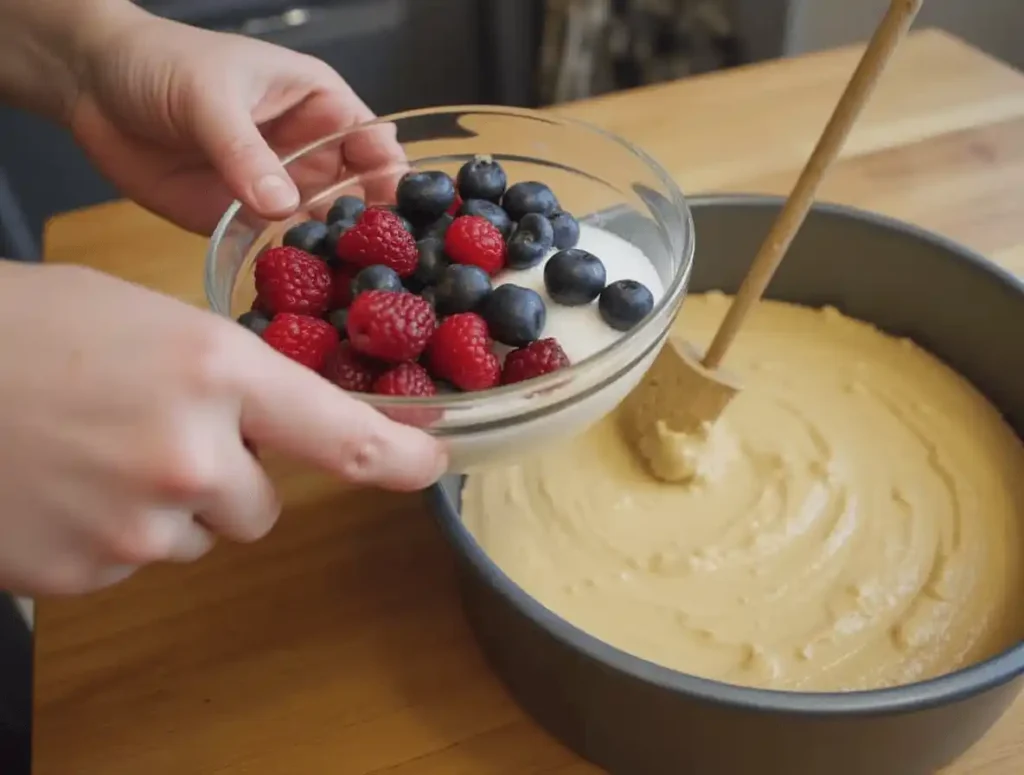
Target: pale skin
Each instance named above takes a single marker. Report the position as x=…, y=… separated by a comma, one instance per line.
x=123, y=412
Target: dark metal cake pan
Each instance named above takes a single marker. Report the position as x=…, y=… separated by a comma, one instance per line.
x=633, y=717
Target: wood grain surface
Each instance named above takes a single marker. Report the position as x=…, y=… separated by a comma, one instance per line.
x=337, y=644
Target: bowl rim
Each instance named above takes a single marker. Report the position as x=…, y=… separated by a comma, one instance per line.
x=941, y=690
x=673, y=290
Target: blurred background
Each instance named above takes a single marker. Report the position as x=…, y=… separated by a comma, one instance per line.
x=401, y=54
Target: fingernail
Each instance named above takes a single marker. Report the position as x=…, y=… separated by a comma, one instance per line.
x=274, y=194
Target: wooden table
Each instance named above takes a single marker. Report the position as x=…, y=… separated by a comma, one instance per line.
x=337, y=644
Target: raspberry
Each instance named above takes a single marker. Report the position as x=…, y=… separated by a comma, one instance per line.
x=349, y=370
x=393, y=326
x=341, y=290
x=302, y=338
x=291, y=280
x=379, y=237
x=541, y=357
x=460, y=352
x=406, y=379
x=472, y=239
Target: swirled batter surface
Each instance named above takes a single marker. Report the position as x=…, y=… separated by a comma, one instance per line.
x=856, y=522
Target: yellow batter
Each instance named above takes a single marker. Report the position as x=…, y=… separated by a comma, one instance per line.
x=857, y=523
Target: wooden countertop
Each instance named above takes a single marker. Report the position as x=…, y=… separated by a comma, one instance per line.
x=337, y=644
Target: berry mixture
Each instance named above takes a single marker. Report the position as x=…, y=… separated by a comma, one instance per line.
x=420, y=297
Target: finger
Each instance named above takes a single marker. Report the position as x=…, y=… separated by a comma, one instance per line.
x=295, y=411
x=243, y=507
x=193, y=541
x=370, y=151
x=253, y=172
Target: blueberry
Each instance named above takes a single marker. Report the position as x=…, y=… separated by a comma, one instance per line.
x=529, y=197
x=339, y=319
x=463, y=288
x=436, y=229
x=346, y=208
x=625, y=303
x=515, y=315
x=432, y=263
x=376, y=278
x=308, y=236
x=429, y=295
x=531, y=241
x=255, y=321
x=445, y=387
x=567, y=230
x=425, y=196
x=405, y=221
x=574, y=277
x=482, y=178
x=490, y=211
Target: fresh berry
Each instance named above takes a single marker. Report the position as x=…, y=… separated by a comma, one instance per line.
x=515, y=315
x=482, y=178
x=346, y=208
x=537, y=358
x=436, y=229
x=429, y=295
x=308, y=236
x=339, y=319
x=574, y=277
x=406, y=379
x=463, y=288
x=625, y=303
x=389, y=325
x=566, y=229
x=460, y=352
x=425, y=196
x=258, y=305
x=475, y=240
x=255, y=321
x=531, y=241
x=302, y=338
x=376, y=278
x=529, y=197
x=455, y=205
x=491, y=211
x=432, y=262
x=379, y=238
x=341, y=294
x=349, y=370
x=291, y=280
x=406, y=224
x=335, y=231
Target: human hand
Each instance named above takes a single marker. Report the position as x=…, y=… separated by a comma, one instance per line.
x=124, y=414
x=185, y=120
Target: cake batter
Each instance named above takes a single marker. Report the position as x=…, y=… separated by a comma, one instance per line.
x=853, y=521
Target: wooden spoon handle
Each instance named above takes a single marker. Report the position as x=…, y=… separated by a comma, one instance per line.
x=883, y=43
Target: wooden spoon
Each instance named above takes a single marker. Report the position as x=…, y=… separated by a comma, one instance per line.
x=685, y=393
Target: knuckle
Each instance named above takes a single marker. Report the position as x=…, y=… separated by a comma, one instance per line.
x=362, y=456
x=135, y=543
x=206, y=360
x=186, y=474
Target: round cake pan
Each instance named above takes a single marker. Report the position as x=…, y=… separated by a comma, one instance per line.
x=632, y=717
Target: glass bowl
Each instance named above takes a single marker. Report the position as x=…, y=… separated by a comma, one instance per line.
x=600, y=178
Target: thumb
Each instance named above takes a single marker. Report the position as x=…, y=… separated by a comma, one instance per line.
x=250, y=168
x=295, y=411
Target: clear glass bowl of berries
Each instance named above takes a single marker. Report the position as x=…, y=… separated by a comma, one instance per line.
x=505, y=284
